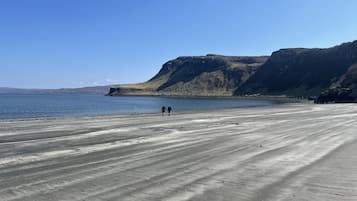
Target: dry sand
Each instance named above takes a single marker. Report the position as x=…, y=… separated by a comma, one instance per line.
x=284, y=152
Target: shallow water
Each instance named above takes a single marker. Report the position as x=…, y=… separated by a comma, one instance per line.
x=14, y=106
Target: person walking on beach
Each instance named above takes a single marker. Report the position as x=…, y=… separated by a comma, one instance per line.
x=163, y=109
x=169, y=110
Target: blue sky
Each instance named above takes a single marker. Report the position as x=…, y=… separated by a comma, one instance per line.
x=74, y=43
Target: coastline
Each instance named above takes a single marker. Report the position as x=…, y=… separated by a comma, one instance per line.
x=277, y=99
x=273, y=99
x=261, y=101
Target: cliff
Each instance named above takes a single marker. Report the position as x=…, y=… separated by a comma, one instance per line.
x=301, y=72
x=210, y=75
x=329, y=74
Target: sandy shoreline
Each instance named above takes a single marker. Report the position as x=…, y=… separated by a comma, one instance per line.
x=273, y=100
x=280, y=152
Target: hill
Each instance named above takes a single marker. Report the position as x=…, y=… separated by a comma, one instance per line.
x=210, y=75
x=303, y=72
x=329, y=74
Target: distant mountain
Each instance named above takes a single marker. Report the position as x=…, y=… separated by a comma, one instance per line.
x=84, y=90
x=210, y=75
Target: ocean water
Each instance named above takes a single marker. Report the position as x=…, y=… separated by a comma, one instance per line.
x=15, y=106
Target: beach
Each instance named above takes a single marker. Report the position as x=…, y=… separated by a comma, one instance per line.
x=282, y=152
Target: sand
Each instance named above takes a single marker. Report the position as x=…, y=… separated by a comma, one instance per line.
x=281, y=152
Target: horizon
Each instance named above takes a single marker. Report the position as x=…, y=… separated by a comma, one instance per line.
x=67, y=44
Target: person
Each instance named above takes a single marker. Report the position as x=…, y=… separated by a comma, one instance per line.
x=163, y=109
x=169, y=110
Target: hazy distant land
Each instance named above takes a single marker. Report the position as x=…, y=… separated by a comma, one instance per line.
x=82, y=90
x=281, y=152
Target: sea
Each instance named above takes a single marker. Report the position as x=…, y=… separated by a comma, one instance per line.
x=21, y=106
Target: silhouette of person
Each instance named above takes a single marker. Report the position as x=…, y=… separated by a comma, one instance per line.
x=163, y=109
x=169, y=110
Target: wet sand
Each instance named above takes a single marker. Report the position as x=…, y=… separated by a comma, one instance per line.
x=281, y=152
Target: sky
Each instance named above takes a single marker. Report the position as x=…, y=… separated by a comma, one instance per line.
x=76, y=43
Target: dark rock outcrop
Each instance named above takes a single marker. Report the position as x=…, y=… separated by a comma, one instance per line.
x=337, y=95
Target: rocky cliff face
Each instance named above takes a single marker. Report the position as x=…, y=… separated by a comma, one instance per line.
x=210, y=75
x=330, y=74
x=301, y=72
